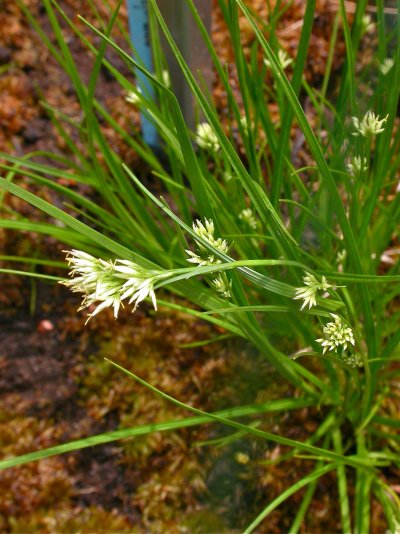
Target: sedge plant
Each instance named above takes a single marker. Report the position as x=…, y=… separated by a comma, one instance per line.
x=262, y=249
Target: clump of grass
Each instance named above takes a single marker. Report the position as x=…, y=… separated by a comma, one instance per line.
x=244, y=241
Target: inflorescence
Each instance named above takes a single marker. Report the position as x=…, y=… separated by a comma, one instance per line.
x=247, y=216
x=203, y=256
x=221, y=284
x=283, y=58
x=206, y=138
x=357, y=166
x=310, y=289
x=336, y=335
x=133, y=97
x=107, y=283
x=370, y=125
x=386, y=66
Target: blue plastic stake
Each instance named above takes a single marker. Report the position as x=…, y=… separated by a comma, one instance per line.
x=138, y=16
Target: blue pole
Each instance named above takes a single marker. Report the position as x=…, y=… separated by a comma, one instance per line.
x=138, y=17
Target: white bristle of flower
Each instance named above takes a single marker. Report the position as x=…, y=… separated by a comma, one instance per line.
x=204, y=260
x=308, y=293
x=370, y=124
x=337, y=335
x=206, y=138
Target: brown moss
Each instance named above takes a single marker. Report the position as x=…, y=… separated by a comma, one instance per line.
x=70, y=520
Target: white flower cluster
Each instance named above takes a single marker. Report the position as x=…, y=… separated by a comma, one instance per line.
x=311, y=287
x=370, y=124
x=244, y=124
x=206, y=231
x=367, y=25
x=165, y=78
x=247, y=216
x=222, y=285
x=206, y=138
x=283, y=58
x=133, y=97
x=353, y=360
x=108, y=283
x=340, y=258
x=336, y=335
x=203, y=257
x=357, y=166
x=386, y=66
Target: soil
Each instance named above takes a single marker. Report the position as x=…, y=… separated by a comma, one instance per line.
x=56, y=387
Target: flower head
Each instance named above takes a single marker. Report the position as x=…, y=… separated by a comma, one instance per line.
x=353, y=360
x=108, y=283
x=206, y=138
x=222, y=285
x=247, y=216
x=242, y=458
x=311, y=287
x=357, y=166
x=165, y=78
x=367, y=25
x=370, y=125
x=227, y=176
x=133, y=97
x=386, y=65
x=341, y=256
x=246, y=125
x=336, y=335
x=283, y=58
x=206, y=231
x=204, y=257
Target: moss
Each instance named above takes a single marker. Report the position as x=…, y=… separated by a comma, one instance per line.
x=72, y=520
